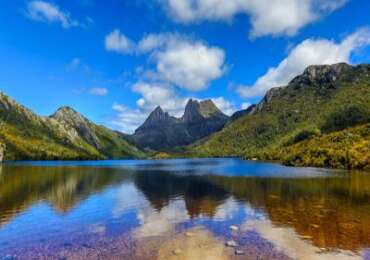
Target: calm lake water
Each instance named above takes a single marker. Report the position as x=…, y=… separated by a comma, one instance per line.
x=181, y=209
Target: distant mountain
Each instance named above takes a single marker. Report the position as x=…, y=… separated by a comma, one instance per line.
x=162, y=131
x=323, y=100
x=66, y=135
x=241, y=113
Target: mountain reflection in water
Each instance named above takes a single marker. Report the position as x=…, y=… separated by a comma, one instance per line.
x=331, y=211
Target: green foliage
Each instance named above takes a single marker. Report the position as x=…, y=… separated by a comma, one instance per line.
x=27, y=136
x=304, y=135
x=346, y=117
x=349, y=148
x=294, y=114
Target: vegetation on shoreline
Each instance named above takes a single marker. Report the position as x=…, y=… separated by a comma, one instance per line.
x=314, y=106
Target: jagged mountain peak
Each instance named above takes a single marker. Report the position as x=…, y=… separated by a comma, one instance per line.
x=323, y=75
x=155, y=118
x=197, y=110
x=67, y=114
x=160, y=130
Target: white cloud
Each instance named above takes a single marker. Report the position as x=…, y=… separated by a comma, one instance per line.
x=118, y=42
x=152, y=42
x=224, y=105
x=309, y=52
x=173, y=57
x=51, y=13
x=268, y=17
x=126, y=119
x=98, y=91
x=155, y=94
x=190, y=65
x=245, y=105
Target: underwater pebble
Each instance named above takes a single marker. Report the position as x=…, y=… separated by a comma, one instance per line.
x=234, y=228
x=231, y=243
x=177, y=252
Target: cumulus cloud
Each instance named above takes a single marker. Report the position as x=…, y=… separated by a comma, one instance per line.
x=224, y=105
x=155, y=94
x=174, y=58
x=126, y=119
x=98, y=91
x=190, y=65
x=118, y=42
x=268, y=17
x=308, y=52
x=51, y=13
x=153, y=41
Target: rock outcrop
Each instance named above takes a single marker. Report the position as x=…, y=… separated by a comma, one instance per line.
x=163, y=131
x=66, y=135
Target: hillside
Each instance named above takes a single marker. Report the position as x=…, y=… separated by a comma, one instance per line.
x=162, y=131
x=27, y=136
x=349, y=148
x=322, y=100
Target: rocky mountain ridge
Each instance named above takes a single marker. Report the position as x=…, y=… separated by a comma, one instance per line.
x=65, y=135
x=320, y=103
x=162, y=131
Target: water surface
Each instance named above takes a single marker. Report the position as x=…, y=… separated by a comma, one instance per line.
x=181, y=209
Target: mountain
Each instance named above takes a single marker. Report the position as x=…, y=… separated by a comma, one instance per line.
x=241, y=113
x=66, y=135
x=321, y=101
x=162, y=131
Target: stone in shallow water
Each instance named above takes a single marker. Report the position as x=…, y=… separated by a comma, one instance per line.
x=189, y=234
x=234, y=228
x=177, y=252
x=239, y=252
x=231, y=243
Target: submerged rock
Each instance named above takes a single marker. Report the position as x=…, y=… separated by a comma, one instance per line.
x=177, y=252
x=231, y=243
x=234, y=228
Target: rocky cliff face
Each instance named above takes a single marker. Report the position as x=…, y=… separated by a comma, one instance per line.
x=75, y=121
x=162, y=131
x=323, y=78
x=157, y=118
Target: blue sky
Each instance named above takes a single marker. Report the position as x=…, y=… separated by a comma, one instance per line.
x=114, y=61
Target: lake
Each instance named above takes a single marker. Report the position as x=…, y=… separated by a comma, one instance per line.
x=182, y=209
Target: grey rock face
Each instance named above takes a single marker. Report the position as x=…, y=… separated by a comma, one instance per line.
x=161, y=131
x=321, y=75
x=315, y=76
x=70, y=118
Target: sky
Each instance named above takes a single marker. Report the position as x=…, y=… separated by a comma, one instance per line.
x=114, y=61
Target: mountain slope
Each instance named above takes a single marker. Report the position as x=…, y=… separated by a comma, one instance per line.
x=107, y=142
x=162, y=131
x=348, y=148
x=27, y=136
x=321, y=100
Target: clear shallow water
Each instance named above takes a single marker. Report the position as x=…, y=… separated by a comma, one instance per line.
x=181, y=209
